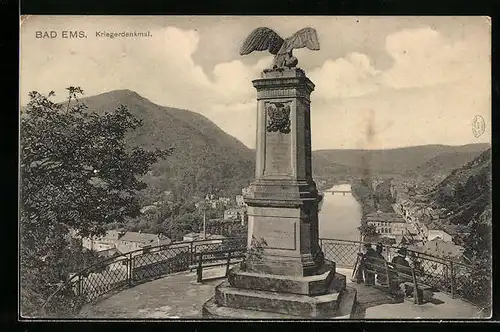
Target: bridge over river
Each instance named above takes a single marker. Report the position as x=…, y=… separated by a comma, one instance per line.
x=332, y=191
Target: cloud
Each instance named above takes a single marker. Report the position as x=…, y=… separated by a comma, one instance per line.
x=420, y=99
x=165, y=74
x=423, y=57
x=345, y=77
x=233, y=80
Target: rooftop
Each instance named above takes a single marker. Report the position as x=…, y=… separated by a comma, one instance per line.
x=143, y=238
x=439, y=248
x=179, y=296
x=384, y=217
x=109, y=252
x=110, y=235
x=208, y=236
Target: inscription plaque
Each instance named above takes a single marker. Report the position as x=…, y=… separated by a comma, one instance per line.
x=279, y=233
x=278, y=154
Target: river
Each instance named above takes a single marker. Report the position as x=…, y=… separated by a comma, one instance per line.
x=340, y=215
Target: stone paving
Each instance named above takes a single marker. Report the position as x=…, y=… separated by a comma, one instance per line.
x=175, y=296
x=179, y=296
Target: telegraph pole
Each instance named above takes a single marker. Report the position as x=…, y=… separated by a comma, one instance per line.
x=204, y=224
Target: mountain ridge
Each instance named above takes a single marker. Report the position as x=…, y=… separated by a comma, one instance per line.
x=206, y=159
x=392, y=161
x=469, y=145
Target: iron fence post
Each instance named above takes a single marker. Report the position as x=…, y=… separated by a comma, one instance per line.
x=79, y=288
x=129, y=270
x=321, y=243
x=191, y=253
x=452, y=280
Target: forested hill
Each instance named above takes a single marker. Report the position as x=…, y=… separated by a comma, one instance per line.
x=402, y=161
x=205, y=158
x=443, y=164
x=466, y=192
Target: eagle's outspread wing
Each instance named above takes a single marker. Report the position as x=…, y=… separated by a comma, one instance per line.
x=262, y=39
x=305, y=37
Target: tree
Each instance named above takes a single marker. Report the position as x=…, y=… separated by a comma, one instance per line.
x=77, y=174
x=367, y=230
x=476, y=286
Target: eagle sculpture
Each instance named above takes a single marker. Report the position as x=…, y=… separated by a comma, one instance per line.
x=262, y=39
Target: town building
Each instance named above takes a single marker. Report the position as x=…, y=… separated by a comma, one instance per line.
x=240, y=201
x=225, y=200
x=212, y=203
x=131, y=241
x=440, y=248
x=387, y=224
x=245, y=191
x=123, y=242
x=101, y=243
x=236, y=214
x=108, y=253
x=439, y=234
x=216, y=204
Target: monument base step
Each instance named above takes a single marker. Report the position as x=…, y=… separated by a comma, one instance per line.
x=345, y=310
x=319, y=284
x=282, y=303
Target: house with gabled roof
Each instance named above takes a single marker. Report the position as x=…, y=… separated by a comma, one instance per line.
x=131, y=241
x=124, y=241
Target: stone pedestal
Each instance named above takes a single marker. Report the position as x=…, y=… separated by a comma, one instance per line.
x=285, y=272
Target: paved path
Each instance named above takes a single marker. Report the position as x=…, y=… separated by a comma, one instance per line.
x=179, y=296
x=175, y=296
x=443, y=307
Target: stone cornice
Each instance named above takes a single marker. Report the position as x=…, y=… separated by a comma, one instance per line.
x=284, y=82
x=292, y=84
x=284, y=92
x=267, y=202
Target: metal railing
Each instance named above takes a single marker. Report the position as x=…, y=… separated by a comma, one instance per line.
x=127, y=270
x=467, y=282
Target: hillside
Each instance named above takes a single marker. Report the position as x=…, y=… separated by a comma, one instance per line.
x=466, y=192
x=445, y=163
x=400, y=161
x=205, y=158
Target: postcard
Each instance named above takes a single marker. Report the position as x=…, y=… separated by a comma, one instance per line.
x=255, y=167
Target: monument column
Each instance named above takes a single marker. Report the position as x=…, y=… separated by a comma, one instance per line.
x=284, y=274
x=283, y=200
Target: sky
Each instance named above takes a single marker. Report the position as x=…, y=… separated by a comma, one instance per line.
x=380, y=82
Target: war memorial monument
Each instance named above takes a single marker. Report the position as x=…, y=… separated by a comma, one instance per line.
x=285, y=274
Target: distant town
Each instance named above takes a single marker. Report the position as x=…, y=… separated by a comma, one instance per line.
x=408, y=223
x=117, y=242
x=408, y=220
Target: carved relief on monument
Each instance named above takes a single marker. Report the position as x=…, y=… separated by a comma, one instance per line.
x=278, y=117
